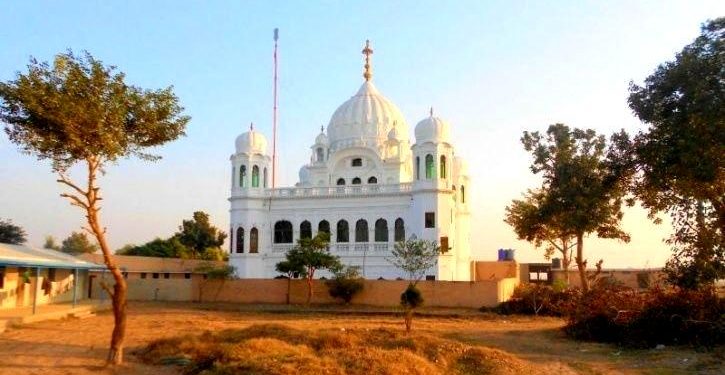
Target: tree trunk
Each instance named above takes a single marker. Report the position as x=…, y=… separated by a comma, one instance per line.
x=289, y=286
x=565, y=260
x=581, y=263
x=309, y=290
x=408, y=319
x=89, y=202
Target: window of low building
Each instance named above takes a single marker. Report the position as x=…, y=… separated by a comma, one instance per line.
x=187, y=275
x=357, y=162
x=143, y=275
x=167, y=275
x=155, y=275
x=430, y=277
x=430, y=219
x=444, y=245
x=356, y=181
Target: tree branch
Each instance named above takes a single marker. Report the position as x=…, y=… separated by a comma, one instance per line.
x=64, y=180
x=75, y=200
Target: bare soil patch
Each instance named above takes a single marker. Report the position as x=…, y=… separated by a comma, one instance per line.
x=78, y=346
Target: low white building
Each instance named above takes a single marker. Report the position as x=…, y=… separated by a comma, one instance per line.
x=366, y=185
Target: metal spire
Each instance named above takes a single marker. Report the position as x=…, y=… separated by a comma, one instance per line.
x=367, y=51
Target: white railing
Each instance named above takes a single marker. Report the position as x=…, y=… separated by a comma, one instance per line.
x=342, y=248
x=324, y=191
x=282, y=247
x=380, y=247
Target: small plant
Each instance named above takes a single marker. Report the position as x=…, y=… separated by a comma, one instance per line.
x=346, y=284
x=411, y=299
x=414, y=257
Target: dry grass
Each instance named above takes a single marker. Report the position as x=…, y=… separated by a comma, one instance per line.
x=78, y=346
x=276, y=349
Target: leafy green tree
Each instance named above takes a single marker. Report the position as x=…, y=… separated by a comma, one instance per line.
x=346, y=284
x=50, y=243
x=290, y=270
x=310, y=255
x=78, y=243
x=198, y=234
x=164, y=248
x=80, y=112
x=11, y=233
x=414, y=257
x=525, y=216
x=680, y=158
x=584, y=185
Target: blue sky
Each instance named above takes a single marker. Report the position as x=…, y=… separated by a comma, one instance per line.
x=492, y=69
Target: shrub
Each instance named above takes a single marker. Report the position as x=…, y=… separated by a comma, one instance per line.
x=346, y=284
x=645, y=319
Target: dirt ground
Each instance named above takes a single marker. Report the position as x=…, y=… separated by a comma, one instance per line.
x=78, y=346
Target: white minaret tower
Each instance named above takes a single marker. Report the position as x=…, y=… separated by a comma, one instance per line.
x=250, y=231
x=434, y=207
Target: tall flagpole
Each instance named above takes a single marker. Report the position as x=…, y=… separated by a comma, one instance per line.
x=274, y=115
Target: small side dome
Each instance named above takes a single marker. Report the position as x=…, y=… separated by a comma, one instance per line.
x=322, y=138
x=432, y=129
x=251, y=142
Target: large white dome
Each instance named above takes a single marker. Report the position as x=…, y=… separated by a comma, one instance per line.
x=365, y=119
x=251, y=142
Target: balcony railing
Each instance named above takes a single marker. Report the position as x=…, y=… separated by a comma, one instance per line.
x=325, y=191
x=342, y=248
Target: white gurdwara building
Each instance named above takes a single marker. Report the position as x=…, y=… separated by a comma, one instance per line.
x=365, y=185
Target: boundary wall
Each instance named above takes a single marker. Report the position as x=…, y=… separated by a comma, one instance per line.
x=274, y=291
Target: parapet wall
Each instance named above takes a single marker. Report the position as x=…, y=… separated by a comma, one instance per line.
x=274, y=291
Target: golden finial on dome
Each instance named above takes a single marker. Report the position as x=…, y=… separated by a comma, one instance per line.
x=431, y=111
x=367, y=51
x=251, y=126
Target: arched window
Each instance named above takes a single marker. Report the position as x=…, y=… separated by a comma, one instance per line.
x=254, y=241
x=361, y=231
x=381, y=230
x=265, y=176
x=443, y=166
x=320, y=154
x=240, y=240
x=243, y=176
x=417, y=167
x=343, y=231
x=430, y=171
x=255, y=176
x=340, y=181
x=305, y=229
x=399, y=230
x=283, y=232
x=463, y=194
x=373, y=180
x=323, y=227
x=356, y=181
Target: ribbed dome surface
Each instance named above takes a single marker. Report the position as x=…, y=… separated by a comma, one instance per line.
x=251, y=142
x=432, y=129
x=367, y=117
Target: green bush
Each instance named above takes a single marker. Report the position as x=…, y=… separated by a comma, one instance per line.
x=411, y=298
x=346, y=284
